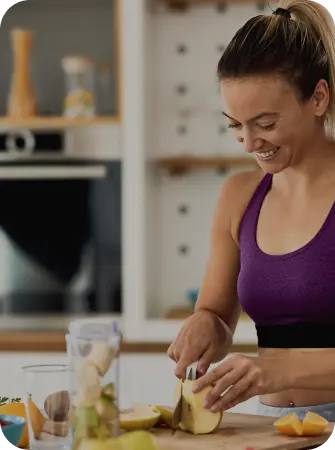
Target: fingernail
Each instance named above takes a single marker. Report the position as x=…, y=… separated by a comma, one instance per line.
x=214, y=409
x=205, y=404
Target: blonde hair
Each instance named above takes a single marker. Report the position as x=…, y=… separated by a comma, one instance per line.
x=297, y=42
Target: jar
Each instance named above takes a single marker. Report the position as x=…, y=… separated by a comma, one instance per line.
x=79, y=85
x=93, y=348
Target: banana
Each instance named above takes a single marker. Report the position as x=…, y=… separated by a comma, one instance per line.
x=101, y=356
x=89, y=388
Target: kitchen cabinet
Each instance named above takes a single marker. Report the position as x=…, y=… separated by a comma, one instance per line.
x=144, y=378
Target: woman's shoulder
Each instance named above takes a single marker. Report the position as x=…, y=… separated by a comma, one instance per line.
x=236, y=194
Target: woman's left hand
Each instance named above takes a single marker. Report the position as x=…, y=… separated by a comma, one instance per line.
x=243, y=377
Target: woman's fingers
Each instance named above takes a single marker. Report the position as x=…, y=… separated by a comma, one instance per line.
x=232, y=395
x=206, y=360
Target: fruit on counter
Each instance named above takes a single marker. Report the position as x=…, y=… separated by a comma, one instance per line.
x=97, y=444
x=101, y=356
x=165, y=415
x=142, y=417
x=289, y=425
x=37, y=419
x=134, y=440
x=138, y=440
x=195, y=418
x=57, y=406
x=312, y=425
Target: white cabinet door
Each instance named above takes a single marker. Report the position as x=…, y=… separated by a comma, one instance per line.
x=144, y=378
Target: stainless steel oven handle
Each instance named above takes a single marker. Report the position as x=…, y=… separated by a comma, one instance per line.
x=60, y=172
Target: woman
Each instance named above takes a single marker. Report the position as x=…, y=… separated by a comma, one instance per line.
x=273, y=235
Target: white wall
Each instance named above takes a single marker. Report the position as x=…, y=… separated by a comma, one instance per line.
x=202, y=32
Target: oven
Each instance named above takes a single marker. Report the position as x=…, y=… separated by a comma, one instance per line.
x=60, y=224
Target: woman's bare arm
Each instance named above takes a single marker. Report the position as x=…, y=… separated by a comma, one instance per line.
x=218, y=292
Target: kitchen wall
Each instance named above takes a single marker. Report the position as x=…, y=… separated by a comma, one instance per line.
x=186, y=119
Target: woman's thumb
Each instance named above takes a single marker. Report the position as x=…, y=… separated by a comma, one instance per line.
x=206, y=360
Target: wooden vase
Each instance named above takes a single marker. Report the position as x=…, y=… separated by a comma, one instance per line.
x=21, y=100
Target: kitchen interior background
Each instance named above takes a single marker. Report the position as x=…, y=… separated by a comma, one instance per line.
x=62, y=238
x=112, y=213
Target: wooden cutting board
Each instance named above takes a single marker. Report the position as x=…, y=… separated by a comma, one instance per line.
x=238, y=432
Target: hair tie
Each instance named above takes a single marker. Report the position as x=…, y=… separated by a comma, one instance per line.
x=282, y=12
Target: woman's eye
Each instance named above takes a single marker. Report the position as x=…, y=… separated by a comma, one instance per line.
x=232, y=125
x=268, y=127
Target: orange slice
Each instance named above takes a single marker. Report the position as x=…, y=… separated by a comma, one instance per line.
x=289, y=425
x=313, y=424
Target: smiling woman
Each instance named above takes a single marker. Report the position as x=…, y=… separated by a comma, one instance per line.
x=273, y=234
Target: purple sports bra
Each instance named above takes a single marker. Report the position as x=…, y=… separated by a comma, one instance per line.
x=291, y=294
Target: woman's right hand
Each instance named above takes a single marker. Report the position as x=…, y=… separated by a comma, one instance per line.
x=204, y=338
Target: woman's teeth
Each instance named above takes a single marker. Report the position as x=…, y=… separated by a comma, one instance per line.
x=266, y=155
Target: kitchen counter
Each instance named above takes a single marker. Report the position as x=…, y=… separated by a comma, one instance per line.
x=54, y=341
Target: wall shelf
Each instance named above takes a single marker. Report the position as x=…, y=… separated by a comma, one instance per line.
x=179, y=165
x=182, y=5
x=57, y=122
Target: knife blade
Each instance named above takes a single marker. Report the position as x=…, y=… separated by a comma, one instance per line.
x=177, y=412
x=192, y=372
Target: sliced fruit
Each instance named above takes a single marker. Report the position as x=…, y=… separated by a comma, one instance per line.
x=289, y=425
x=165, y=415
x=195, y=418
x=313, y=424
x=36, y=417
x=97, y=444
x=101, y=356
x=106, y=409
x=137, y=440
x=109, y=391
x=142, y=417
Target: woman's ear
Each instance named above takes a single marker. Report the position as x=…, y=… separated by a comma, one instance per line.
x=321, y=98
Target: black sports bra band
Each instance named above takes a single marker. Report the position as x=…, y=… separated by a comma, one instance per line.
x=297, y=335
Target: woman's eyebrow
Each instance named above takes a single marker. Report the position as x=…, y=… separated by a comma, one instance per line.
x=258, y=116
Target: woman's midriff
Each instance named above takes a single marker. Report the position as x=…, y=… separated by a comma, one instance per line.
x=296, y=397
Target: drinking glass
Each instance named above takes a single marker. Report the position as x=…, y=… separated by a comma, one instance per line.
x=47, y=402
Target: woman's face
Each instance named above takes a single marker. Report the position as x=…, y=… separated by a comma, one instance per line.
x=267, y=117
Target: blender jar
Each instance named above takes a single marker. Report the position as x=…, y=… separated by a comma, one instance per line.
x=79, y=83
x=93, y=348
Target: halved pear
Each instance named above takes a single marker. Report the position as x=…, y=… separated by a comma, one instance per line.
x=195, y=418
x=138, y=440
x=97, y=444
x=166, y=415
x=142, y=417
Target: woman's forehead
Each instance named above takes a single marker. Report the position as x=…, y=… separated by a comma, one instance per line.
x=254, y=96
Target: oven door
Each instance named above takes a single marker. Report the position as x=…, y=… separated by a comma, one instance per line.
x=60, y=222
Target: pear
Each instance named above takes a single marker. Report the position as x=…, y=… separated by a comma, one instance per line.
x=195, y=418
x=97, y=444
x=142, y=417
x=166, y=415
x=138, y=440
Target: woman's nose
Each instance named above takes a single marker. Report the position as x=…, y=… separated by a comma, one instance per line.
x=250, y=143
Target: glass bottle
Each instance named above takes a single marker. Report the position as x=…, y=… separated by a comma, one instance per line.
x=93, y=347
x=79, y=85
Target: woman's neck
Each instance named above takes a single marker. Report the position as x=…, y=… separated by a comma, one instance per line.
x=318, y=161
